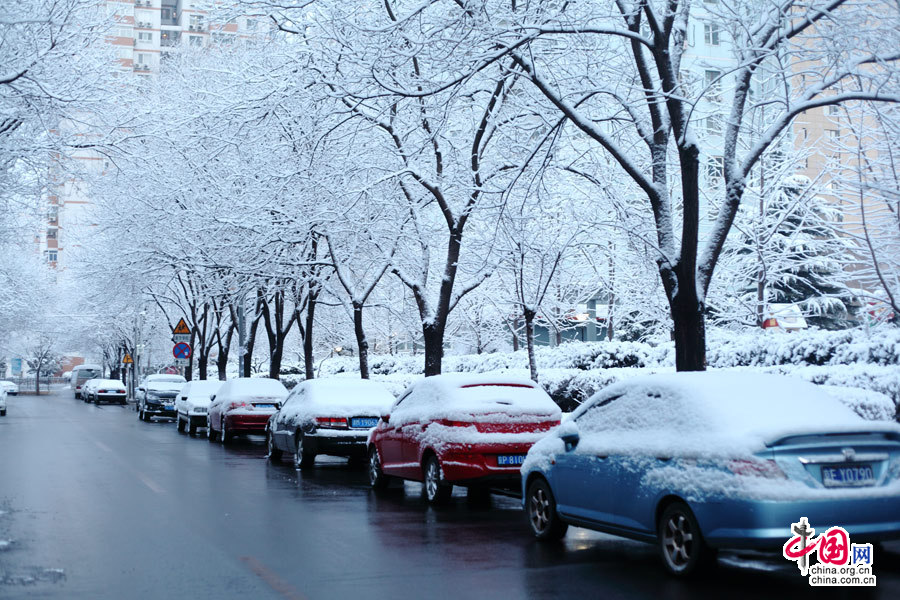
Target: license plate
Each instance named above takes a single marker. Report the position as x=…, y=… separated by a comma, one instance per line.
x=364, y=422
x=848, y=476
x=510, y=459
x=263, y=406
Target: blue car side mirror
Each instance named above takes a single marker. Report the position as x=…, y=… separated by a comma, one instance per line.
x=570, y=440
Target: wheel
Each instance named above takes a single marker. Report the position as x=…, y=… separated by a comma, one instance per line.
x=227, y=436
x=680, y=541
x=274, y=453
x=85, y=399
x=437, y=491
x=303, y=459
x=377, y=479
x=179, y=424
x=192, y=429
x=540, y=506
x=3, y=413
x=211, y=433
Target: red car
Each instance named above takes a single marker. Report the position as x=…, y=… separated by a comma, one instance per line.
x=469, y=430
x=243, y=405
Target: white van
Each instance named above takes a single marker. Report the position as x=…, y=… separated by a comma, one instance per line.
x=83, y=373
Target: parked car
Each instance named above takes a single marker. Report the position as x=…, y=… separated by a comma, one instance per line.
x=156, y=396
x=2, y=401
x=244, y=405
x=86, y=394
x=470, y=430
x=104, y=390
x=694, y=462
x=192, y=403
x=11, y=388
x=82, y=373
x=327, y=416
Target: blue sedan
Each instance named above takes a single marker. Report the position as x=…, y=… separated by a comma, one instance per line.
x=694, y=462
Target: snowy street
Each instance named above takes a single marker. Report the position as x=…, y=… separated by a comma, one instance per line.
x=96, y=504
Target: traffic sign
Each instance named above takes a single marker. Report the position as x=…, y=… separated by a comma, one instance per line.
x=181, y=328
x=181, y=350
x=181, y=337
x=182, y=362
x=127, y=360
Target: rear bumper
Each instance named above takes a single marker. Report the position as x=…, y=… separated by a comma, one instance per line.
x=246, y=423
x=118, y=398
x=479, y=465
x=349, y=444
x=767, y=524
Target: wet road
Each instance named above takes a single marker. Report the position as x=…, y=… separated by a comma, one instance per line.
x=95, y=504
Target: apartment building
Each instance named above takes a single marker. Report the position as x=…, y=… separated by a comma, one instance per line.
x=143, y=33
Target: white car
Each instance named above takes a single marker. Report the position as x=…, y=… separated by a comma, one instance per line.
x=2, y=402
x=104, y=390
x=192, y=404
x=11, y=388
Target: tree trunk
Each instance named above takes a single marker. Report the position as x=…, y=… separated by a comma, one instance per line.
x=515, y=341
x=308, y=359
x=690, y=336
x=251, y=342
x=361, y=342
x=681, y=282
x=37, y=379
x=434, y=348
x=203, y=363
x=529, y=340
x=275, y=356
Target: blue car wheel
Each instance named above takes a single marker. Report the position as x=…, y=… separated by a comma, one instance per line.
x=541, y=509
x=681, y=543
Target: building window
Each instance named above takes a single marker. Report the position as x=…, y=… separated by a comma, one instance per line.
x=715, y=169
x=713, y=124
x=711, y=34
x=196, y=40
x=252, y=24
x=713, y=81
x=53, y=215
x=51, y=234
x=145, y=36
x=834, y=109
x=52, y=256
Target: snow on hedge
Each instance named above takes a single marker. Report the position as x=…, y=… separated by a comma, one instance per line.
x=864, y=359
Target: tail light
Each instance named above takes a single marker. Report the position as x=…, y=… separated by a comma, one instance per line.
x=101, y=391
x=756, y=468
x=331, y=422
x=449, y=423
x=236, y=404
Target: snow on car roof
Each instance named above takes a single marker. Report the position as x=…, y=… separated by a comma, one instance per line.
x=203, y=387
x=735, y=408
x=346, y=391
x=107, y=382
x=337, y=397
x=165, y=377
x=246, y=387
x=460, y=395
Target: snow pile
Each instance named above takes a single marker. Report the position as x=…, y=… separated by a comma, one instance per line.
x=336, y=397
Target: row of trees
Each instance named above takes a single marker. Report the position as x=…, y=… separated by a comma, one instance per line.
x=480, y=167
